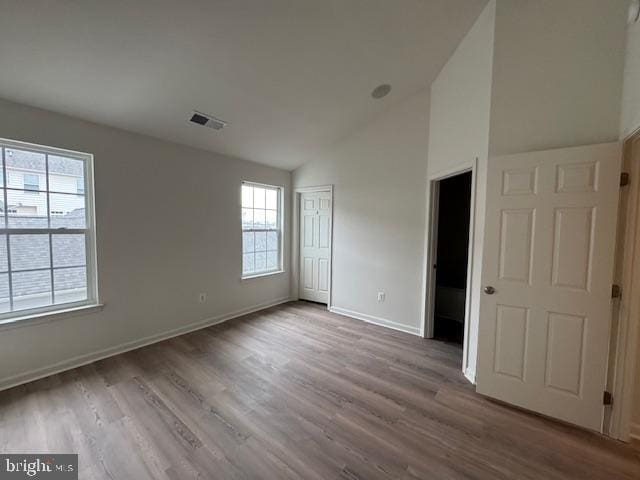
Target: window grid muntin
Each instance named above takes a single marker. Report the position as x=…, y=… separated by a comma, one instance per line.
x=53, y=286
x=277, y=229
x=8, y=231
x=55, y=192
x=42, y=269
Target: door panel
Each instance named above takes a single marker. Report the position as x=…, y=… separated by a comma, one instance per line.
x=520, y=181
x=549, y=250
x=308, y=235
x=323, y=274
x=323, y=227
x=307, y=275
x=516, y=232
x=512, y=326
x=565, y=346
x=573, y=233
x=577, y=178
x=315, y=243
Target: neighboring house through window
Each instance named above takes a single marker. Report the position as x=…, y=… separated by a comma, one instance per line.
x=261, y=229
x=47, y=238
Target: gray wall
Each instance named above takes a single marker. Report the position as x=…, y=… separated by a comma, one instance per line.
x=379, y=178
x=557, y=73
x=168, y=227
x=631, y=88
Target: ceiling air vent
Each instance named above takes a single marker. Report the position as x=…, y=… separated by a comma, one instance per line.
x=207, y=121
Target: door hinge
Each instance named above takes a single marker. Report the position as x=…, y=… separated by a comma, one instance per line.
x=607, y=398
x=616, y=291
x=624, y=179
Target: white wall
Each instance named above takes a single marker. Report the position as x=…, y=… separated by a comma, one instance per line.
x=168, y=227
x=557, y=78
x=379, y=178
x=459, y=133
x=461, y=98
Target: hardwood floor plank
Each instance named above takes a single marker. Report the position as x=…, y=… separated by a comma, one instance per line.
x=295, y=392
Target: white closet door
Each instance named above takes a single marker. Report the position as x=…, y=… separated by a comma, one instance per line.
x=315, y=244
x=547, y=273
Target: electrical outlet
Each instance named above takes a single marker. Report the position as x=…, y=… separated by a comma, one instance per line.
x=202, y=298
x=381, y=296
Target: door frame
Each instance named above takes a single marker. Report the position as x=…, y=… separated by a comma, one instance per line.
x=295, y=253
x=626, y=351
x=431, y=240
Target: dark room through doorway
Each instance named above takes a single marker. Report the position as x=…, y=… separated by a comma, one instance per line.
x=452, y=256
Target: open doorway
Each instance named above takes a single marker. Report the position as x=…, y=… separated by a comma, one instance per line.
x=451, y=236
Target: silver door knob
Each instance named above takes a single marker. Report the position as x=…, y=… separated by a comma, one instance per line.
x=489, y=290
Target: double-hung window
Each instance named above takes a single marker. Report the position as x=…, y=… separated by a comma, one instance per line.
x=31, y=182
x=47, y=246
x=261, y=229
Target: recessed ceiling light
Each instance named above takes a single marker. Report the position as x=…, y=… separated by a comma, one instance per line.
x=381, y=91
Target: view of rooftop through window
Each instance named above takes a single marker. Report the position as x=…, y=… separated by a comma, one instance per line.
x=43, y=230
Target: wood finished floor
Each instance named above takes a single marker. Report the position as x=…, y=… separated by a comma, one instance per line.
x=294, y=392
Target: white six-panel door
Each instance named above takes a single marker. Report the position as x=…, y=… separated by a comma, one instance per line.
x=315, y=245
x=548, y=254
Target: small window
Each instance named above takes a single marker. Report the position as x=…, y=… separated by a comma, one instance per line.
x=31, y=182
x=47, y=246
x=261, y=229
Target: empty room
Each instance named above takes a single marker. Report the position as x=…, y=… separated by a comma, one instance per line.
x=320, y=239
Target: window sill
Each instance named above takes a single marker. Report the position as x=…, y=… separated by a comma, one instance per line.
x=45, y=317
x=261, y=275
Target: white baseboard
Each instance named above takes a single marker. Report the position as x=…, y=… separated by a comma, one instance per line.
x=383, y=322
x=85, y=359
x=470, y=375
x=634, y=431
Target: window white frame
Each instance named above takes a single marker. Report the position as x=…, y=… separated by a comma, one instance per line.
x=279, y=268
x=88, y=231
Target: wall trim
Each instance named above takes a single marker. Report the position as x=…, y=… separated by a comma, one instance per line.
x=383, y=322
x=88, y=358
x=470, y=375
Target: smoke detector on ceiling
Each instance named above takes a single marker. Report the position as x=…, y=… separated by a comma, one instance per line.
x=207, y=120
x=381, y=91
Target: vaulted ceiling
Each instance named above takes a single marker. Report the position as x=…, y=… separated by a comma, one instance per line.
x=290, y=76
